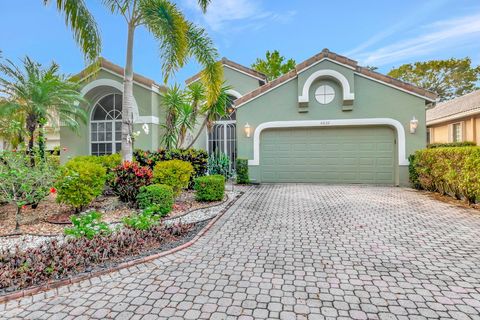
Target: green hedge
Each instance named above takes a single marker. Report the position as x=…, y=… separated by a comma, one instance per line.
x=451, y=144
x=210, y=188
x=173, y=173
x=198, y=159
x=452, y=170
x=242, y=171
x=156, y=197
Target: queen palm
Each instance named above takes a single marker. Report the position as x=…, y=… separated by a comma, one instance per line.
x=39, y=95
x=178, y=38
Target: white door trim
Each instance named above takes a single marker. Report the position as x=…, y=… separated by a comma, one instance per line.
x=402, y=159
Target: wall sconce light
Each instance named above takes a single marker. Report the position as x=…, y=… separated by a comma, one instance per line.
x=248, y=130
x=413, y=125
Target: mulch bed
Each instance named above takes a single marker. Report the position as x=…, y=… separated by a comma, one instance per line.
x=148, y=251
x=50, y=218
x=451, y=200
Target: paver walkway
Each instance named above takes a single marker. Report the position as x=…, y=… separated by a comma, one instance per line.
x=298, y=252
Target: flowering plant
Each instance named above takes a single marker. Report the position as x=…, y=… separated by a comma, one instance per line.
x=128, y=178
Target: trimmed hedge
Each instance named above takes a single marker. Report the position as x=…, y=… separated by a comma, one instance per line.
x=173, y=173
x=80, y=183
x=242, y=171
x=109, y=162
x=210, y=188
x=453, y=170
x=156, y=197
x=451, y=144
x=198, y=159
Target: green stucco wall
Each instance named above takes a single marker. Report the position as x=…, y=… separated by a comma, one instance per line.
x=148, y=102
x=372, y=100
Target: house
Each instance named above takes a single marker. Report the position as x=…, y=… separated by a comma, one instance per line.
x=327, y=121
x=456, y=120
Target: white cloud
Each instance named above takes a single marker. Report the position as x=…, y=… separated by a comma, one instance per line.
x=429, y=39
x=223, y=15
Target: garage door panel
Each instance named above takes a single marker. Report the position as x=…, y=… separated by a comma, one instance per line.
x=328, y=155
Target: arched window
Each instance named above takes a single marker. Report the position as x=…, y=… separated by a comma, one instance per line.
x=106, y=125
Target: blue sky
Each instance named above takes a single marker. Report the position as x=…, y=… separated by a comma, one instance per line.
x=377, y=33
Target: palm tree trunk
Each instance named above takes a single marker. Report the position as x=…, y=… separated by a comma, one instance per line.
x=127, y=105
x=31, y=127
x=204, y=124
x=41, y=141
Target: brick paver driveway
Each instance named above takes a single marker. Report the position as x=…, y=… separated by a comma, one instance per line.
x=302, y=251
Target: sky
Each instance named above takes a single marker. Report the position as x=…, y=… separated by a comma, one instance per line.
x=380, y=33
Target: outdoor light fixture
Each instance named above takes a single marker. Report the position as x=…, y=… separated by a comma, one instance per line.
x=413, y=125
x=248, y=130
x=145, y=128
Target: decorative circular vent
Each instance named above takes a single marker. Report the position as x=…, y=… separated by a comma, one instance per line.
x=324, y=94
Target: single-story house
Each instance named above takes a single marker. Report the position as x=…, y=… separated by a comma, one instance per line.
x=327, y=121
x=456, y=120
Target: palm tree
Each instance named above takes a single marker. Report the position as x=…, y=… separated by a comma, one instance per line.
x=39, y=95
x=213, y=111
x=179, y=39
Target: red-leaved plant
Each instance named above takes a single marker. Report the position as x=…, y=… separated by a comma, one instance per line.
x=58, y=260
x=128, y=178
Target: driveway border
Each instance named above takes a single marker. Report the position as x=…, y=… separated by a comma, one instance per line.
x=7, y=301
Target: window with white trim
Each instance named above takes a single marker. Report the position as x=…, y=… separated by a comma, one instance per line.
x=457, y=132
x=106, y=125
x=324, y=94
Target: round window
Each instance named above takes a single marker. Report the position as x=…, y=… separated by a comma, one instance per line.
x=324, y=94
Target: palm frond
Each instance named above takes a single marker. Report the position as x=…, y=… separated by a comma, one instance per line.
x=85, y=29
x=202, y=49
x=169, y=27
x=204, y=4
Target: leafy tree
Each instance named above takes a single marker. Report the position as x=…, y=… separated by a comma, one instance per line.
x=274, y=65
x=21, y=184
x=178, y=38
x=448, y=78
x=39, y=95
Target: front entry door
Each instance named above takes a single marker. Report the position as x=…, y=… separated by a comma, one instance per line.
x=222, y=138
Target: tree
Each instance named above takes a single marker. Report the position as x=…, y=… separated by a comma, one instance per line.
x=178, y=38
x=274, y=65
x=39, y=95
x=21, y=184
x=448, y=78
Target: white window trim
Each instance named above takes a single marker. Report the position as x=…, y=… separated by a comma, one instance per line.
x=402, y=159
x=347, y=94
x=452, y=131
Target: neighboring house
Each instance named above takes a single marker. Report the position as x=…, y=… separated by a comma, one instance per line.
x=456, y=120
x=327, y=121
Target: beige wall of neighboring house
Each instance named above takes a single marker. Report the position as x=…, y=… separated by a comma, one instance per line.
x=456, y=120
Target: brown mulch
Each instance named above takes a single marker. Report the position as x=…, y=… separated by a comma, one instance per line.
x=50, y=218
x=451, y=200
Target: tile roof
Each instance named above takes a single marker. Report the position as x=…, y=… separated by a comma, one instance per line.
x=234, y=65
x=326, y=54
x=108, y=65
x=456, y=108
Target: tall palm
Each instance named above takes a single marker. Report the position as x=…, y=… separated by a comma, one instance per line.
x=40, y=95
x=178, y=38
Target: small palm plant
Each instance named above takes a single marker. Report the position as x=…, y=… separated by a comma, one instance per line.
x=39, y=95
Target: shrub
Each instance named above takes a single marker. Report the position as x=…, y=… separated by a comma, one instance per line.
x=128, y=178
x=157, y=197
x=173, y=173
x=58, y=260
x=198, y=159
x=242, y=171
x=80, y=183
x=20, y=183
x=452, y=170
x=210, y=188
x=141, y=221
x=219, y=163
x=412, y=172
x=87, y=225
x=451, y=144
x=109, y=162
